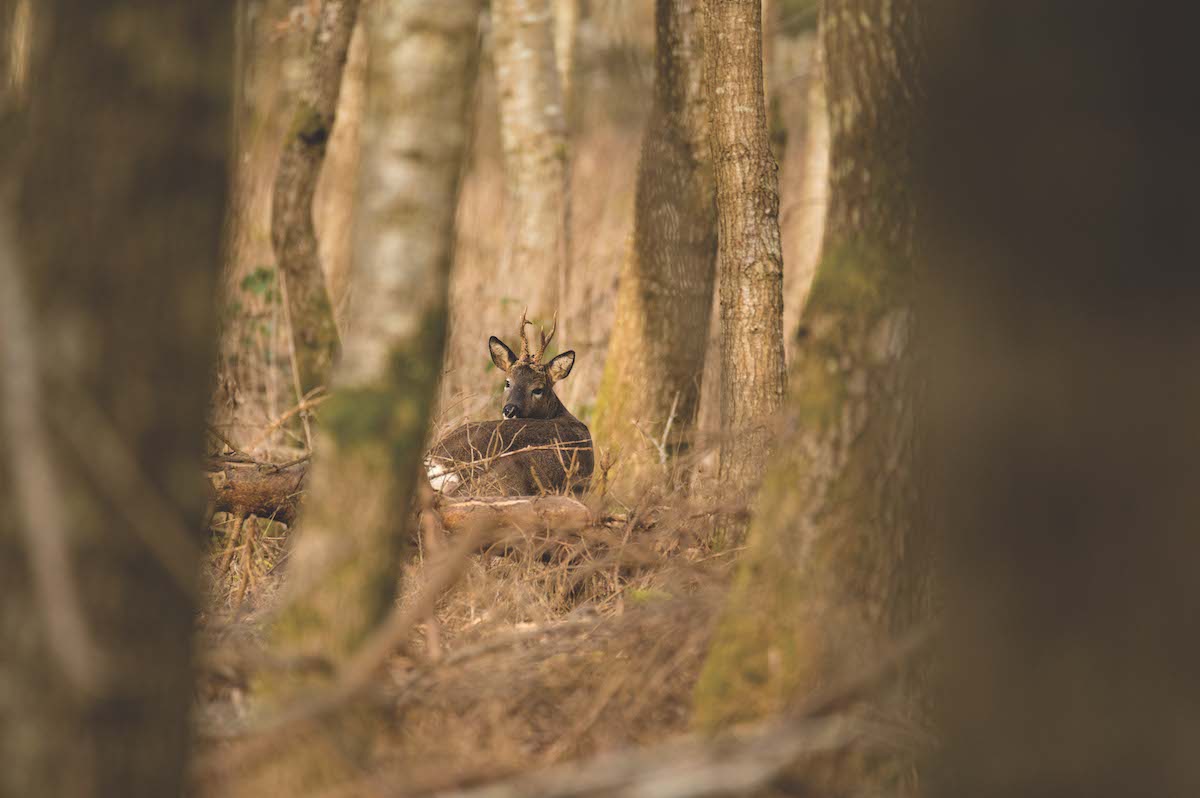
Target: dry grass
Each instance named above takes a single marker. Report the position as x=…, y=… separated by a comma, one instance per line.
x=551, y=645
x=555, y=644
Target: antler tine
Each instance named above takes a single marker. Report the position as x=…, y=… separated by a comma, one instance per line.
x=524, y=338
x=546, y=339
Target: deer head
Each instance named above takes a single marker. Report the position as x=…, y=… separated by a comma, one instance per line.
x=528, y=382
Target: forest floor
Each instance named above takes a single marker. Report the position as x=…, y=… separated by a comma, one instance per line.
x=551, y=646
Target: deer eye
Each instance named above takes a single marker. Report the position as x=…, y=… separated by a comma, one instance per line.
x=538, y=391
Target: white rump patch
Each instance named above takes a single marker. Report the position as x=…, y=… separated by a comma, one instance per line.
x=441, y=481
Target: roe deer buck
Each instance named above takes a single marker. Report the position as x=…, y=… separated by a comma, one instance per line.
x=538, y=447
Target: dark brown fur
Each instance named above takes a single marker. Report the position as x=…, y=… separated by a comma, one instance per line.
x=539, y=447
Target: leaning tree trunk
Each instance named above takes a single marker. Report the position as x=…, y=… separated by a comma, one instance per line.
x=660, y=334
x=750, y=257
x=293, y=235
x=353, y=531
x=827, y=585
x=533, y=133
x=111, y=212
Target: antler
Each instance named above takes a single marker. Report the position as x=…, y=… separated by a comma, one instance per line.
x=546, y=339
x=524, y=340
x=527, y=352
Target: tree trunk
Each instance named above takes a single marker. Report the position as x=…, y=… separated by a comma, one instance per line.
x=805, y=198
x=353, y=531
x=656, y=356
x=830, y=582
x=533, y=133
x=1064, y=332
x=333, y=212
x=293, y=235
x=111, y=212
x=750, y=260
x=566, y=33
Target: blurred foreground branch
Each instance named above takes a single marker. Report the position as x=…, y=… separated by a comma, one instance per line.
x=733, y=764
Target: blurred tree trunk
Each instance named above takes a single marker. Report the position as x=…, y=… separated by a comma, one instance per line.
x=375, y=422
x=831, y=580
x=1064, y=334
x=293, y=235
x=353, y=532
x=566, y=33
x=656, y=357
x=750, y=259
x=17, y=16
x=533, y=133
x=111, y=212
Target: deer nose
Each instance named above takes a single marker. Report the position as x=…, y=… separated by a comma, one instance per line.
x=510, y=411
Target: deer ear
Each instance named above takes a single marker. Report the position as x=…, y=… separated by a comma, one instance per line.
x=560, y=367
x=502, y=356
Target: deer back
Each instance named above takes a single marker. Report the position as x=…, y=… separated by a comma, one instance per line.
x=513, y=457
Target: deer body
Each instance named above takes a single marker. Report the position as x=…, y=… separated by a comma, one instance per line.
x=538, y=447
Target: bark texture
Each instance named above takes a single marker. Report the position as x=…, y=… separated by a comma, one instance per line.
x=832, y=580
x=750, y=259
x=353, y=533
x=112, y=207
x=293, y=234
x=656, y=356
x=533, y=134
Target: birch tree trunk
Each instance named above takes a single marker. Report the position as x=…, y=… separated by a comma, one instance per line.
x=833, y=577
x=111, y=208
x=293, y=235
x=533, y=133
x=655, y=359
x=750, y=259
x=353, y=532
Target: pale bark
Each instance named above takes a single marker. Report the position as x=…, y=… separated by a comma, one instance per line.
x=566, y=33
x=656, y=355
x=750, y=260
x=805, y=197
x=414, y=138
x=338, y=186
x=17, y=16
x=353, y=532
x=829, y=583
x=293, y=234
x=113, y=203
x=533, y=133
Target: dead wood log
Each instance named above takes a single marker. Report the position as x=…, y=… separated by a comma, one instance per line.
x=530, y=513
x=269, y=491
x=265, y=491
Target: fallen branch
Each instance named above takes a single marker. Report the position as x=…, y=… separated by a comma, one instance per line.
x=270, y=491
x=739, y=763
x=532, y=513
x=265, y=491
